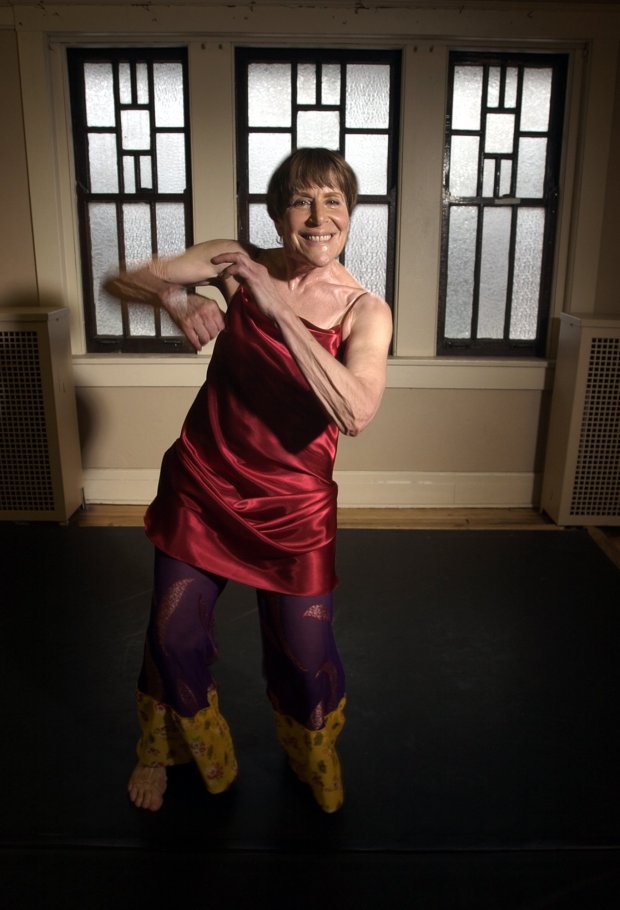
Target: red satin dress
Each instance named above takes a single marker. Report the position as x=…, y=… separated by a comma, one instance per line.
x=246, y=492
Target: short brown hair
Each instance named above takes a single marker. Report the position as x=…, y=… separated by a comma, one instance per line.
x=310, y=167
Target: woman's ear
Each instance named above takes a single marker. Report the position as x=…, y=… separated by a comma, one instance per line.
x=278, y=226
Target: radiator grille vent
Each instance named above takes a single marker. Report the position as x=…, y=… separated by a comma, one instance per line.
x=25, y=475
x=596, y=489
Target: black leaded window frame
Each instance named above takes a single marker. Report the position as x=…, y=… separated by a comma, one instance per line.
x=165, y=338
x=505, y=346
x=320, y=57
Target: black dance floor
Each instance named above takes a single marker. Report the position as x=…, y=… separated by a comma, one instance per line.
x=481, y=752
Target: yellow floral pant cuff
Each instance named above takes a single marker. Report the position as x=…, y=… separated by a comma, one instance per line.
x=312, y=755
x=170, y=739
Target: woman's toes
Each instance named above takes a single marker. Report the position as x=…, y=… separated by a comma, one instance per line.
x=147, y=786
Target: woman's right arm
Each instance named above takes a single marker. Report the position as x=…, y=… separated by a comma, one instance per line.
x=164, y=282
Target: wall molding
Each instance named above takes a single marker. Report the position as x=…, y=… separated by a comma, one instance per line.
x=357, y=489
x=106, y=371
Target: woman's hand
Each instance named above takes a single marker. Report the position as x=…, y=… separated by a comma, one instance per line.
x=199, y=318
x=239, y=266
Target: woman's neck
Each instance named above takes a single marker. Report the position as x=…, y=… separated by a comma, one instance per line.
x=295, y=272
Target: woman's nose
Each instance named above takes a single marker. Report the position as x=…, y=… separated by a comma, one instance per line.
x=317, y=212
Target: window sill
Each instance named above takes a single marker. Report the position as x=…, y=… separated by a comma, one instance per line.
x=132, y=371
x=459, y=373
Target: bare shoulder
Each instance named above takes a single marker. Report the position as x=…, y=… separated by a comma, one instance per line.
x=369, y=314
x=371, y=305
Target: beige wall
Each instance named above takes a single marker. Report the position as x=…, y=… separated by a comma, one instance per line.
x=608, y=287
x=18, y=282
x=449, y=430
x=129, y=428
x=471, y=434
x=464, y=433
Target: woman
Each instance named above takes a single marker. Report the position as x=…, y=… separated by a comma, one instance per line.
x=246, y=492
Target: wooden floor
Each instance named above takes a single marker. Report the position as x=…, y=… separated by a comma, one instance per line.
x=426, y=519
x=608, y=538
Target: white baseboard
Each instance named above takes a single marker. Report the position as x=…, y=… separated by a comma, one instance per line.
x=411, y=489
x=357, y=489
x=120, y=486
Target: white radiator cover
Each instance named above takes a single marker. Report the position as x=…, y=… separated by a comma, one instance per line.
x=40, y=464
x=581, y=484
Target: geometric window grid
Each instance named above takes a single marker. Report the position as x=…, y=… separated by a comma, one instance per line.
x=344, y=100
x=132, y=162
x=500, y=200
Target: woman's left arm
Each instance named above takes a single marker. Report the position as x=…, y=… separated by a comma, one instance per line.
x=350, y=392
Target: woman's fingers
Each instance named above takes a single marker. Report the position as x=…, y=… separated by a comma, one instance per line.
x=202, y=322
x=240, y=265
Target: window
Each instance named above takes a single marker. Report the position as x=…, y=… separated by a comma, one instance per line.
x=339, y=99
x=131, y=143
x=500, y=196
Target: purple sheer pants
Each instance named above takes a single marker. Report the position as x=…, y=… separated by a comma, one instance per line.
x=301, y=664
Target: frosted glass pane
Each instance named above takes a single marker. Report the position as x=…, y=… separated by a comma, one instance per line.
x=367, y=155
x=505, y=177
x=461, y=260
x=265, y=152
x=531, y=168
x=500, y=133
x=171, y=177
x=171, y=239
x=99, y=91
x=137, y=230
x=464, y=166
x=466, y=97
x=368, y=96
x=136, y=130
x=366, y=251
x=124, y=83
x=318, y=128
x=141, y=319
x=510, y=90
x=168, y=92
x=306, y=83
x=330, y=84
x=536, y=99
x=262, y=228
x=493, y=87
x=494, y=272
x=527, y=271
x=170, y=228
x=146, y=173
x=269, y=94
x=105, y=260
x=103, y=162
x=488, y=177
x=142, y=82
x=129, y=173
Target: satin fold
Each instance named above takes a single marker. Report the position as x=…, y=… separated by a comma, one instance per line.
x=246, y=491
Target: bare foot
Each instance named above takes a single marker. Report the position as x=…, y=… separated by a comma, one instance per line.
x=147, y=786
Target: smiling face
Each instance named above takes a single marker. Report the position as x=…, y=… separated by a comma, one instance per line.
x=315, y=225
